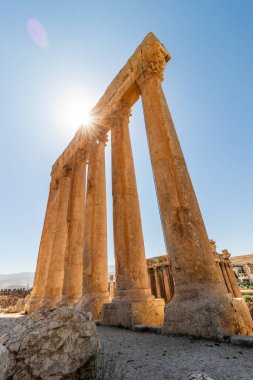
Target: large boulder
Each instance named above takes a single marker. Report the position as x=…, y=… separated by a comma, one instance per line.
x=50, y=344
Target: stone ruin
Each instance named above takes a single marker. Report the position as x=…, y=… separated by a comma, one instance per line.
x=72, y=260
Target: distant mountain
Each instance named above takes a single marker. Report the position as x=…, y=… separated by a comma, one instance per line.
x=21, y=280
x=16, y=280
x=241, y=260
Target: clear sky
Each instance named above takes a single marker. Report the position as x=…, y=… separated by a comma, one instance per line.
x=49, y=76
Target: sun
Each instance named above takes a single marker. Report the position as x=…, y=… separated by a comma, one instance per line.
x=74, y=110
x=86, y=118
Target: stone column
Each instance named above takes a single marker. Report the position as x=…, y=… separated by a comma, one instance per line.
x=133, y=296
x=157, y=283
x=95, y=270
x=53, y=287
x=200, y=305
x=73, y=263
x=225, y=276
x=35, y=300
x=166, y=285
x=233, y=282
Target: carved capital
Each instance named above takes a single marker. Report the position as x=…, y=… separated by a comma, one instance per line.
x=123, y=110
x=153, y=67
x=67, y=170
x=81, y=155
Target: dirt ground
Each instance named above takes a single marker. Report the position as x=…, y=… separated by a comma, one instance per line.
x=148, y=356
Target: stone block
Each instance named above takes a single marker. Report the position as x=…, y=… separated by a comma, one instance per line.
x=129, y=314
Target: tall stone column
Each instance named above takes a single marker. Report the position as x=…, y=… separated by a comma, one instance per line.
x=47, y=238
x=157, y=283
x=225, y=276
x=200, y=305
x=233, y=282
x=73, y=262
x=166, y=285
x=95, y=268
x=133, y=302
x=54, y=283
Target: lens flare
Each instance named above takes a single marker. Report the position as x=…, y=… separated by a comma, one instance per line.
x=37, y=33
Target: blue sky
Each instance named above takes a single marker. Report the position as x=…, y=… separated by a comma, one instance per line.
x=208, y=84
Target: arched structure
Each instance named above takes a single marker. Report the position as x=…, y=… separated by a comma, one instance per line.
x=72, y=262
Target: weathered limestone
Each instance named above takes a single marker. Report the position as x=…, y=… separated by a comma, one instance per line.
x=45, y=250
x=49, y=344
x=201, y=305
x=54, y=283
x=231, y=276
x=95, y=268
x=133, y=295
x=73, y=261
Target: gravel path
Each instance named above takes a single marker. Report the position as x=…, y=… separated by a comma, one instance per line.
x=148, y=356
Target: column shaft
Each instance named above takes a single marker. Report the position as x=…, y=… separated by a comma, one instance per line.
x=53, y=288
x=131, y=272
x=73, y=263
x=157, y=283
x=226, y=279
x=233, y=282
x=95, y=270
x=166, y=285
x=184, y=231
x=133, y=303
x=45, y=250
x=198, y=283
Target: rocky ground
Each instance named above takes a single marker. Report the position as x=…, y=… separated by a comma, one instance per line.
x=148, y=356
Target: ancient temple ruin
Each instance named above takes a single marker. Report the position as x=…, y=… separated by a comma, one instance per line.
x=72, y=261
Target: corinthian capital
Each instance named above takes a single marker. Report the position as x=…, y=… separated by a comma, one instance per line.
x=123, y=109
x=152, y=67
x=81, y=155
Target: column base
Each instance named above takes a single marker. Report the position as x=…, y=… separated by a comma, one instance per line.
x=67, y=301
x=126, y=313
x=208, y=316
x=33, y=304
x=94, y=303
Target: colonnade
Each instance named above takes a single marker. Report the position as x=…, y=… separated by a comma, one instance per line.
x=72, y=262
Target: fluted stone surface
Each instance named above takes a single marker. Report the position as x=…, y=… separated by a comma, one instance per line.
x=73, y=259
x=95, y=268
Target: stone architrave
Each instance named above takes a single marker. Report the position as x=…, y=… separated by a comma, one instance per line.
x=73, y=262
x=200, y=305
x=133, y=302
x=46, y=244
x=54, y=283
x=95, y=268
